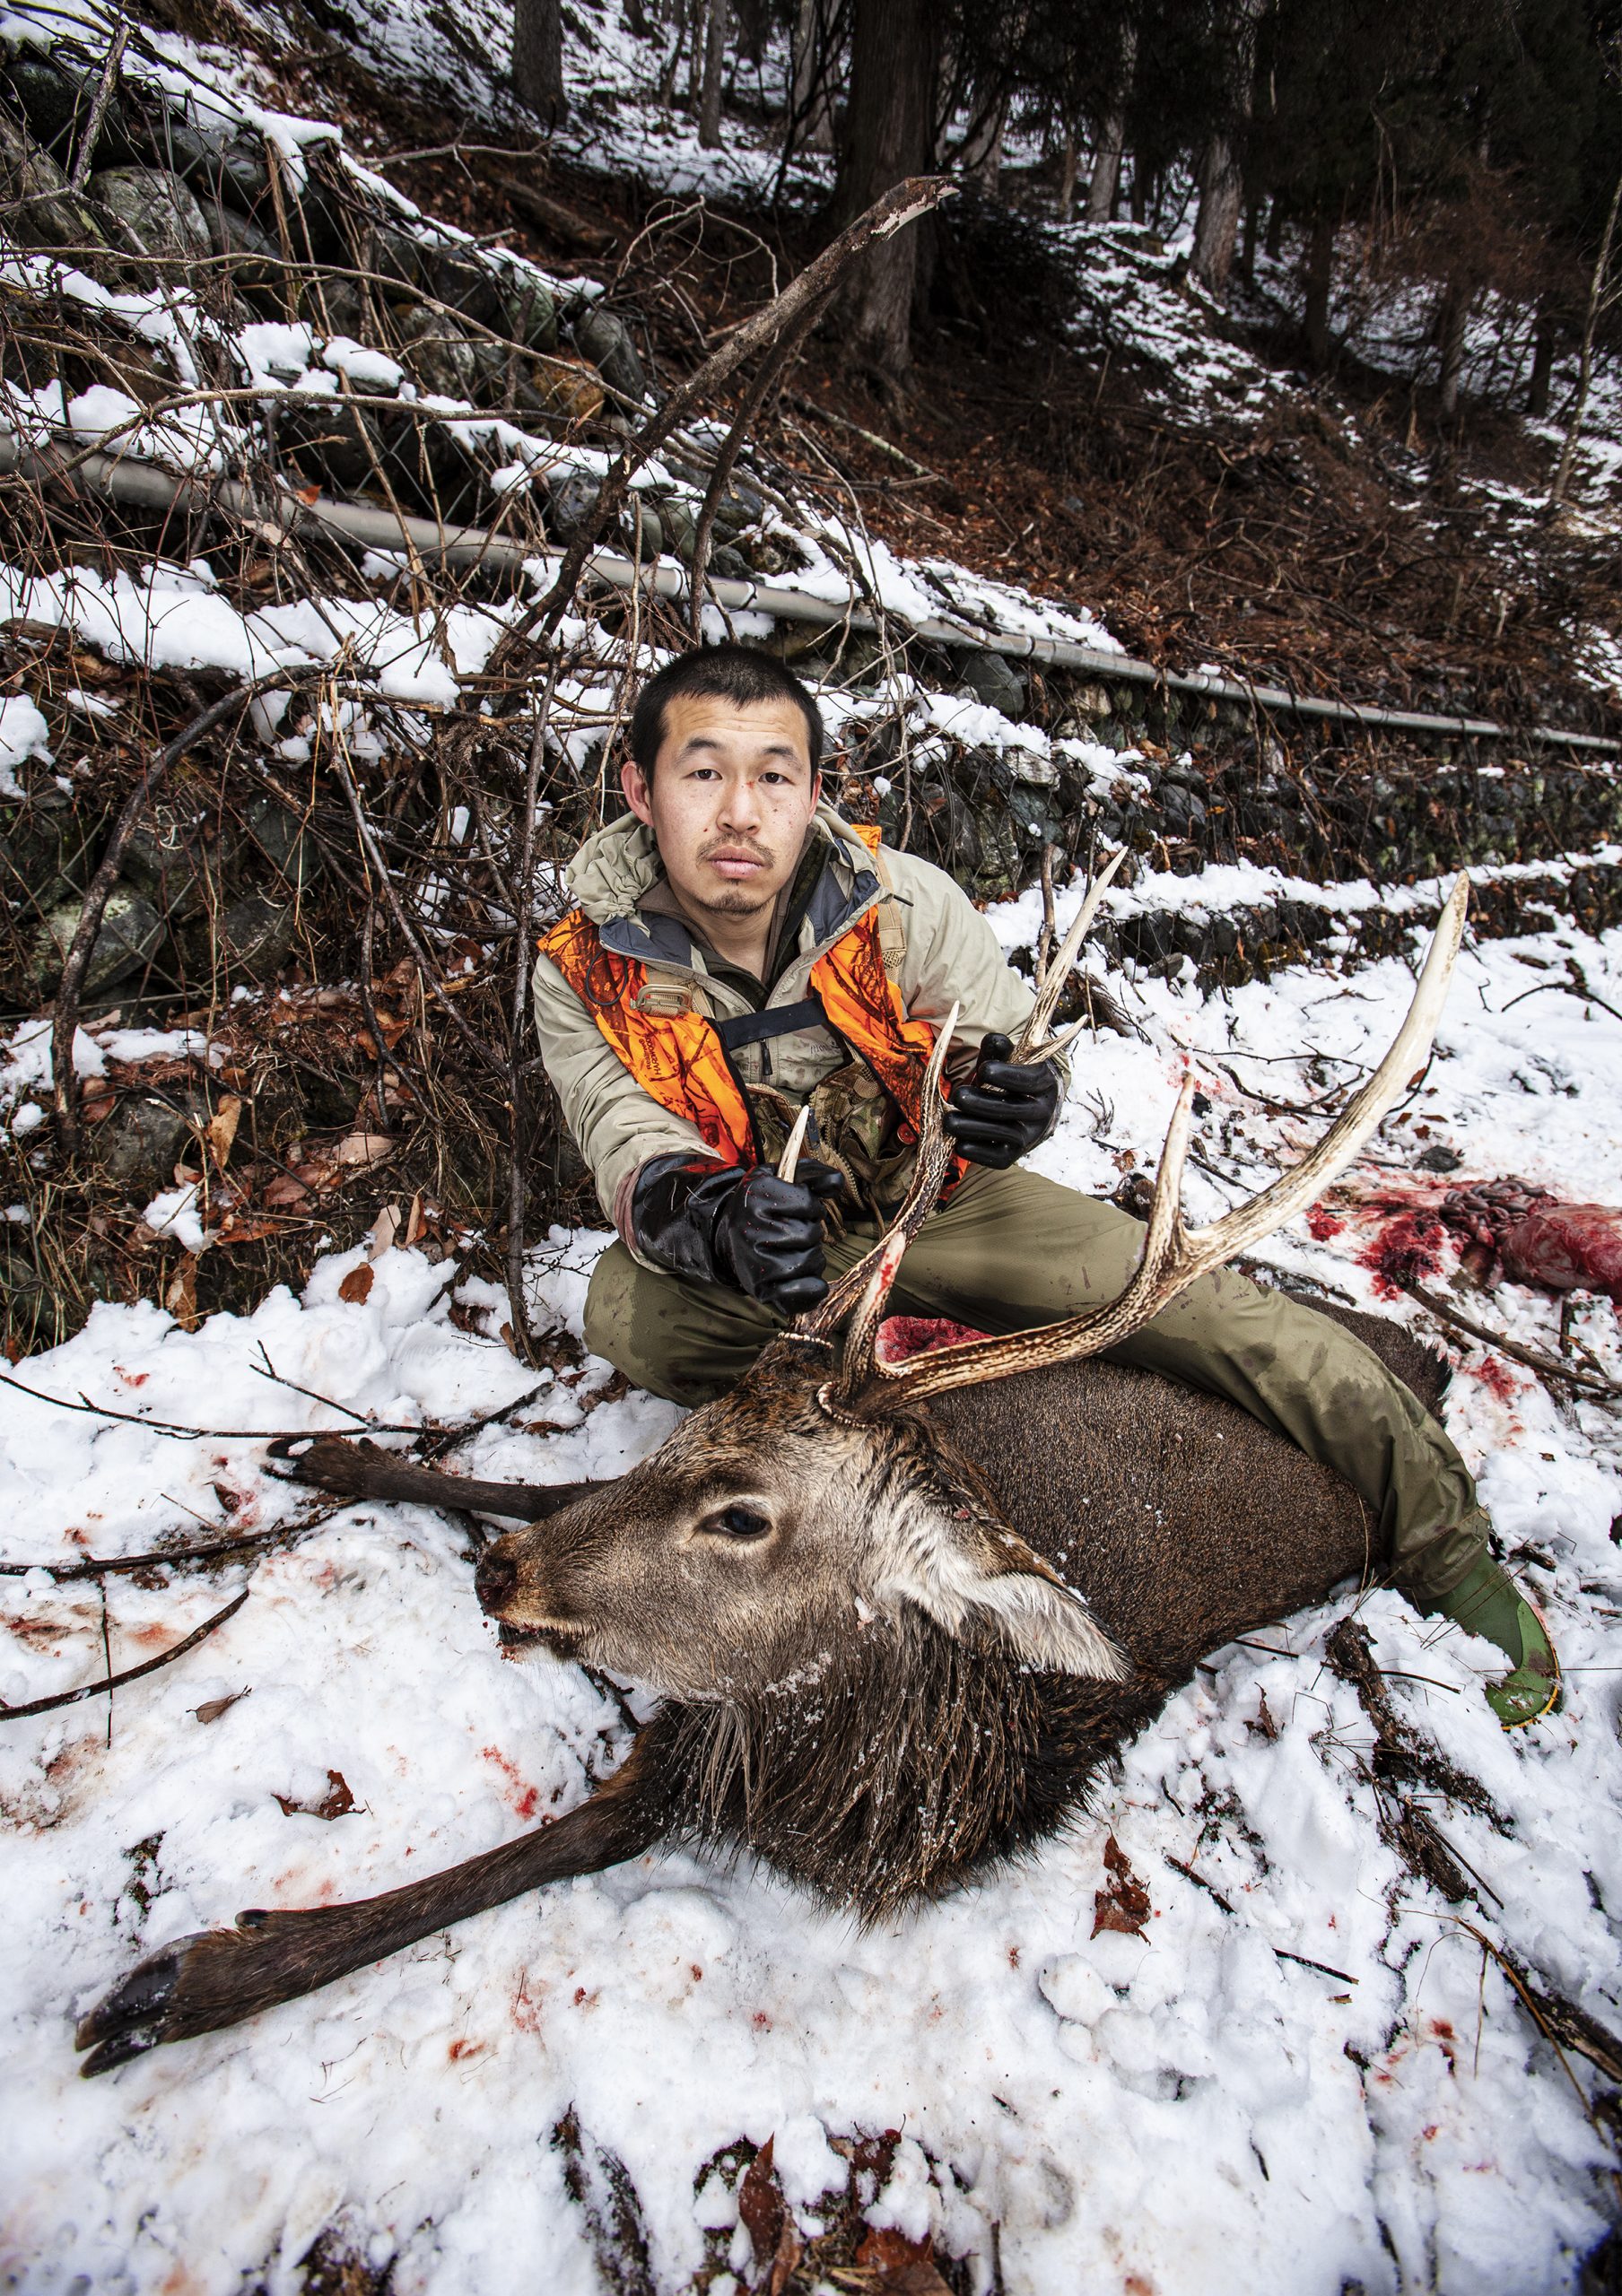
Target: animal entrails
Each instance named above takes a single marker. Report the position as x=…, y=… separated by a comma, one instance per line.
x=899, y=1612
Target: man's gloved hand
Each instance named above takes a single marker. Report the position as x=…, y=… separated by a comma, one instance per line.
x=741, y=1227
x=999, y=1113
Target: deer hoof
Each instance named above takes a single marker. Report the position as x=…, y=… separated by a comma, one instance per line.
x=134, y=2017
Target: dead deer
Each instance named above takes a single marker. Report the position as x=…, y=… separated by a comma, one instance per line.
x=899, y=1612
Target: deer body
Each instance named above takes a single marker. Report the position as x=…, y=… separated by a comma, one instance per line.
x=899, y=1617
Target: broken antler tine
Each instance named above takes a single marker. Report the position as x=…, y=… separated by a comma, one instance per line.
x=1174, y=1257
x=1032, y=1045
x=788, y=1163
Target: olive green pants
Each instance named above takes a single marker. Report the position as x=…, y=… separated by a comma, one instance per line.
x=1010, y=1250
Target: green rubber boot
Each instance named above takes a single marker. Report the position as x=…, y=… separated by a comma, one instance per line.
x=1487, y=1602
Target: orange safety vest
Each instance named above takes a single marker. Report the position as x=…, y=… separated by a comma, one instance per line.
x=681, y=1061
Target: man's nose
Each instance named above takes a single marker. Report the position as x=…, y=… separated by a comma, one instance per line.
x=740, y=805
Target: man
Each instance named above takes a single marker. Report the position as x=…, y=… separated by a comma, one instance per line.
x=736, y=949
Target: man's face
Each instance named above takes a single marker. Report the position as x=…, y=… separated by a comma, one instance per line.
x=731, y=798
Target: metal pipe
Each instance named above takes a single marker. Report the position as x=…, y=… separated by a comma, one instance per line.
x=144, y=486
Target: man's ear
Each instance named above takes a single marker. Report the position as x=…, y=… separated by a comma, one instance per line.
x=967, y=1569
x=639, y=794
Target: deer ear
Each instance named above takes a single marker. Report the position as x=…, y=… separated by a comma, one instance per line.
x=966, y=1569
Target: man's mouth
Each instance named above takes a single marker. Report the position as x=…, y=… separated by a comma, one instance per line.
x=734, y=861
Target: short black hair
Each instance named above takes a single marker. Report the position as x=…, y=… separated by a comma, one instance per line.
x=741, y=674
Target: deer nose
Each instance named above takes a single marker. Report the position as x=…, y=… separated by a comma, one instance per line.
x=495, y=1578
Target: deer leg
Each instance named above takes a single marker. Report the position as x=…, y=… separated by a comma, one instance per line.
x=361, y=1470
x=218, y=1977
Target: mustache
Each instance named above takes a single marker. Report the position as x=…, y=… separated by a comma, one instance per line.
x=735, y=845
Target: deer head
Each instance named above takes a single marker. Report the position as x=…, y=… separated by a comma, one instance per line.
x=814, y=1504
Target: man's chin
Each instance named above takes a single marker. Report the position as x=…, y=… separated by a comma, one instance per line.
x=734, y=900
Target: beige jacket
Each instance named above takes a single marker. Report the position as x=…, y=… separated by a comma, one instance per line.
x=952, y=956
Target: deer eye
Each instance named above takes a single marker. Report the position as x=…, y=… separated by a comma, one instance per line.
x=740, y=1522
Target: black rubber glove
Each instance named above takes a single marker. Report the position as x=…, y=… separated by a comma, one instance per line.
x=743, y=1227
x=999, y=1113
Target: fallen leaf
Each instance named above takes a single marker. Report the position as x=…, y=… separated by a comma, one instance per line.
x=416, y=1226
x=356, y=1285
x=181, y=1297
x=899, y=2267
x=212, y=1708
x=243, y=1228
x=385, y=1233
x=1123, y=1902
x=760, y=2204
x=361, y=1148
x=336, y=1803
x=220, y=1129
x=1264, y=1726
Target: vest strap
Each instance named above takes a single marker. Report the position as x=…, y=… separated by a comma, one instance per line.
x=771, y=1021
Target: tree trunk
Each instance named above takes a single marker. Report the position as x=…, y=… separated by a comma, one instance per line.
x=1320, y=279
x=1452, y=315
x=982, y=155
x=1274, y=241
x=537, y=57
x=1597, y=299
x=1143, y=184
x=672, y=71
x=698, y=24
x=715, y=65
x=1112, y=136
x=812, y=109
x=1543, y=363
x=1247, y=239
x=1221, y=177
x=636, y=20
x=1067, y=178
x=889, y=126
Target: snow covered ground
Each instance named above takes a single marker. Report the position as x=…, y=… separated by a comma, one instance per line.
x=1310, y=2064
x=1126, y=2113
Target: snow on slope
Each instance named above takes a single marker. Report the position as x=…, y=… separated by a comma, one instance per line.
x=1126, y=2113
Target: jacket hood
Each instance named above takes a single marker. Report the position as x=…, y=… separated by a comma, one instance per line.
x=615, y=866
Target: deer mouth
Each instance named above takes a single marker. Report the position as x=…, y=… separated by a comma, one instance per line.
x=559, y=1641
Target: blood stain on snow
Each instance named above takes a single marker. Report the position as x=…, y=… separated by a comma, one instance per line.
x=1322, y=1224
x=1495, y=1376
x=1406, y=1249
x=132, y=1378
x=523, y=1799
x=461, y=2049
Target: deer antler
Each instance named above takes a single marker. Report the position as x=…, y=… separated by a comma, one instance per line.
x=864, y=1287
x=1175, y=1257
x=1036, y=1044
x=789, y=1162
